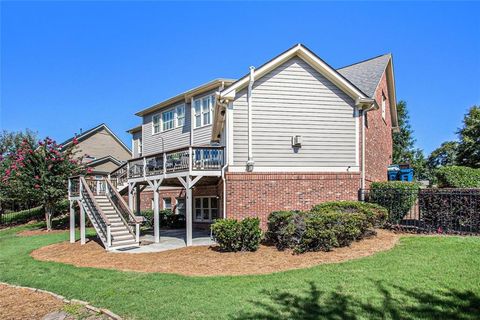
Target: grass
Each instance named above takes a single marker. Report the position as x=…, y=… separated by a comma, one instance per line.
x=422, y=278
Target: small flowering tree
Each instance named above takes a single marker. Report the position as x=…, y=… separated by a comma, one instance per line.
x=42, y=173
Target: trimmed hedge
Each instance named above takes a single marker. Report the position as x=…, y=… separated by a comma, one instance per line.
x=450, y=210
x=167, y=218
x=233, y=235
x=458, y=177
x=397, y=196
x=23, y=216
x=326, y=226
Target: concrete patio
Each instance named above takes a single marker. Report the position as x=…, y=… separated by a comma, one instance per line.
x=169, y=239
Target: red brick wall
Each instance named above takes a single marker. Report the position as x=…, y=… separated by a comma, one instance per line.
x=259, y=194
x=378, y=138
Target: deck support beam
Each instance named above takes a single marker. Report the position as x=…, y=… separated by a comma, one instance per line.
x=72, y=221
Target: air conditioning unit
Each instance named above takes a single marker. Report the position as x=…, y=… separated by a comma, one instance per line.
x=296, y=141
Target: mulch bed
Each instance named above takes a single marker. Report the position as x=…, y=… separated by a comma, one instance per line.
x=207, y=261
x=20, y=303
x=36, y=232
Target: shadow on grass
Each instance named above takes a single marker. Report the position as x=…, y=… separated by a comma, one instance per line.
x=392, y=302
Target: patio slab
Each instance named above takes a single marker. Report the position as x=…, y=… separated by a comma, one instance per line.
x=169, y=240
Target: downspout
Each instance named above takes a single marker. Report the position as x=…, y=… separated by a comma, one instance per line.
x=250, y=161
x=364, y=113
x=225, y=164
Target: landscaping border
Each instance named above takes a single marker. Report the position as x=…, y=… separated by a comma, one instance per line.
x=88, y=306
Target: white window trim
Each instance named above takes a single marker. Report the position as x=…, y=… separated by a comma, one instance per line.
x=164, y=205
x=384, y=106
x=175, y=118
x=139, y=146
x=194, y=123
x=176, y=205
x=209, y=208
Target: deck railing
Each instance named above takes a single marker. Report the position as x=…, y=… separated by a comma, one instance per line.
x=120, y=175
x=180, y=160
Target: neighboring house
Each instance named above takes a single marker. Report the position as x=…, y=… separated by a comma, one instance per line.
x=292, y=133
x=100, y=149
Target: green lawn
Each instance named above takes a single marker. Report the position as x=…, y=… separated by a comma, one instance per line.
x=422, y=278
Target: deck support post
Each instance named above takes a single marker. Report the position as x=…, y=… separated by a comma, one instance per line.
x=155, y=185
x=188, y=184
x=72, y=222
x=131, y=187
x=82, y=225
x=137, y=200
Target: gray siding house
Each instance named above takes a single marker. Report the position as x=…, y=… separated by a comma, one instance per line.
x=289, y=134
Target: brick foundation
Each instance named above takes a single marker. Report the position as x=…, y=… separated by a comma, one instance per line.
x=259, y=194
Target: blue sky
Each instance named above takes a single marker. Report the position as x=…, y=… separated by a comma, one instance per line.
x=71, y=65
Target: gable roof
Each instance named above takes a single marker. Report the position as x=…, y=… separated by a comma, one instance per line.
x=86, y=134
x=102, y=160
x=366, y=74
x=311, y=58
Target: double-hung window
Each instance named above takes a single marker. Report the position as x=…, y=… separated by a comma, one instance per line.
x=180, y=115
x=203, y=108
x=206, y=209
x=168, y=120
x=156, y=123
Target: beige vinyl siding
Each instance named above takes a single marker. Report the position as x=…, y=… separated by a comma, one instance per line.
x=173, y=139
x=178, y=137
x=135, y=141
x=101, y=144
x=295, y=99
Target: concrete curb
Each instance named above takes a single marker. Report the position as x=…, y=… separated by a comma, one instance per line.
x=106, y=312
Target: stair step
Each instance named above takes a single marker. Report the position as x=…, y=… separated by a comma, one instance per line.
x=123, y=242
x=120, y=233
x=124, y=237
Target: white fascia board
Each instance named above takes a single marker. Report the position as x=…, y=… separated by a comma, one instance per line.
x=311, y=59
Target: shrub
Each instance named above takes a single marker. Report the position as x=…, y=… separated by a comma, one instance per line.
x=232, y=235
x=23, y=216
x=458, y=177
x=328, y=225
x=397, y=196
x=285, y=228
x=450, y=210
x=376, y=214
x=167, y=218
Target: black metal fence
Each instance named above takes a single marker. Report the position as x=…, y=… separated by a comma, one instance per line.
x=454, y=211
x=18, y=212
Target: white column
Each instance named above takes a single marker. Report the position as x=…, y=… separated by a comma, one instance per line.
x=72, y=222
x=82, y=225
x=188, y=218
x=156, y=214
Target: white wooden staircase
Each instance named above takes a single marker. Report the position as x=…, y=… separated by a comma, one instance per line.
x=107, y=211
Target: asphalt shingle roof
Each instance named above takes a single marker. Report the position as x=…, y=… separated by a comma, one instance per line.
x=366, y=75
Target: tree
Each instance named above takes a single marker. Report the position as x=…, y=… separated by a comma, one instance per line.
x=42, y=173
x=404, y=150
x=10, y=142
x=469, y=144
x=445, y=155
x=403, y=141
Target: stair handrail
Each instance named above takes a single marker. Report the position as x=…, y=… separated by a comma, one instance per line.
x=122, y=202
x=92, y=198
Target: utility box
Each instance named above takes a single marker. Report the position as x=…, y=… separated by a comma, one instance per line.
x=296, y=141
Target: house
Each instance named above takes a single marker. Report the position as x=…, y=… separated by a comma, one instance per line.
x=291, y=133
x=100, y=149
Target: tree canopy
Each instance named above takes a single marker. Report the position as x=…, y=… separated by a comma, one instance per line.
x=469, y=136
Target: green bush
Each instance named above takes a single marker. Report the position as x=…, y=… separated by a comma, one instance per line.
x=376, y=214
x=458, y=177
x=167, y=218
x=285, y=228
x=23, y=216
x=397, y=196
x=326, y=226
x=232, y=235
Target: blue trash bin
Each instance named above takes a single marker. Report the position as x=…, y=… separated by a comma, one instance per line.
x=406, y=174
